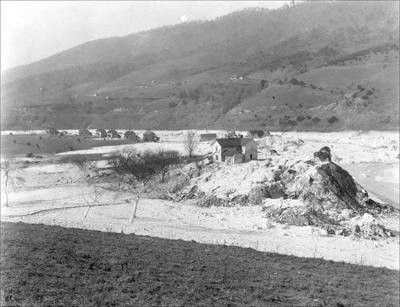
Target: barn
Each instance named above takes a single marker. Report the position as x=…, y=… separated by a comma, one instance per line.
x=235, y=150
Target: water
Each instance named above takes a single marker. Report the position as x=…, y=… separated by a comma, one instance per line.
x=380, y=179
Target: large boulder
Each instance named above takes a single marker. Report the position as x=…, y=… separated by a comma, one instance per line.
x=330, y=186
x=329, y=197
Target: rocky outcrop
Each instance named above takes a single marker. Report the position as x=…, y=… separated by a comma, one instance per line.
x=325, y=195
x=329, y=196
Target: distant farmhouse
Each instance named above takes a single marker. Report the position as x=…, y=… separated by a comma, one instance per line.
x=112, y=133
x=150, y=136
x=206, y=137
x=51, y=131
x=101, y=133
x=131, y=135
x=235, y=150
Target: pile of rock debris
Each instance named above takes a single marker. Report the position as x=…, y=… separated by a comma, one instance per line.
x=328, y=197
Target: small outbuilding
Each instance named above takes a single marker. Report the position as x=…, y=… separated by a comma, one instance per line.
x=52, y=131
x=150, y=136
x=112, y=133
x=235, y=150
x=131, y=135
x=101, y=133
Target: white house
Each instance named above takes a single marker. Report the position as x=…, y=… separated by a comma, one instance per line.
x=235, y=150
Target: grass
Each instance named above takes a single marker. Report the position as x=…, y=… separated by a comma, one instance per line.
x=51, y=265
x=45, y=144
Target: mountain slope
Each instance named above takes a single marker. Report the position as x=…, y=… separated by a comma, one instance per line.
x=223, y=73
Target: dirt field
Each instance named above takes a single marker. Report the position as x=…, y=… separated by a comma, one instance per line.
x=50, y=265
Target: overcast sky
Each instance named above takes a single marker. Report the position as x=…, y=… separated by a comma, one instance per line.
x=32, y=30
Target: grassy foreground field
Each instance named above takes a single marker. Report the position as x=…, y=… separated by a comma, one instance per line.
x=48, y=265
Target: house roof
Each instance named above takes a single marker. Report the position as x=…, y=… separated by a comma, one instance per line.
x=208, y=134
x=233, y=142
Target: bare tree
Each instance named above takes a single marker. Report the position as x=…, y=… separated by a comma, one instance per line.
x=167, y=158
x=92, y=194
x=190, y=143
x=138, y=169
x=9, y=178
x=5, y=174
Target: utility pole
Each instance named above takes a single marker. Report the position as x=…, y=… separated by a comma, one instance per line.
x=41, y=93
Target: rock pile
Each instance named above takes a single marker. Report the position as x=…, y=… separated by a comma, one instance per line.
x=328, y=196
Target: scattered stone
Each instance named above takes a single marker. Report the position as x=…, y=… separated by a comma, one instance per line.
x=241, y=200
x=208, y=201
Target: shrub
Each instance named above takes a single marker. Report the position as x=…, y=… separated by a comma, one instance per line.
x=84, y=132
x=145, y=165
x=284, y=121
x=258, y=133
x=256, y=195
x=179, y=184
x=294, y=81
x=263, y=83
x=300, y=118
x=172, y=104
x=183, y=94
x=212, y=200
x=316, y=120
x=332, y=119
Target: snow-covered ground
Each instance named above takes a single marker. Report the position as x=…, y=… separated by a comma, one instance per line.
x=242, y=226
x=203, y=148
x=53, y=194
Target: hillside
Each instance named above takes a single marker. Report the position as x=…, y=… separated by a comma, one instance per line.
x=314, y=66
